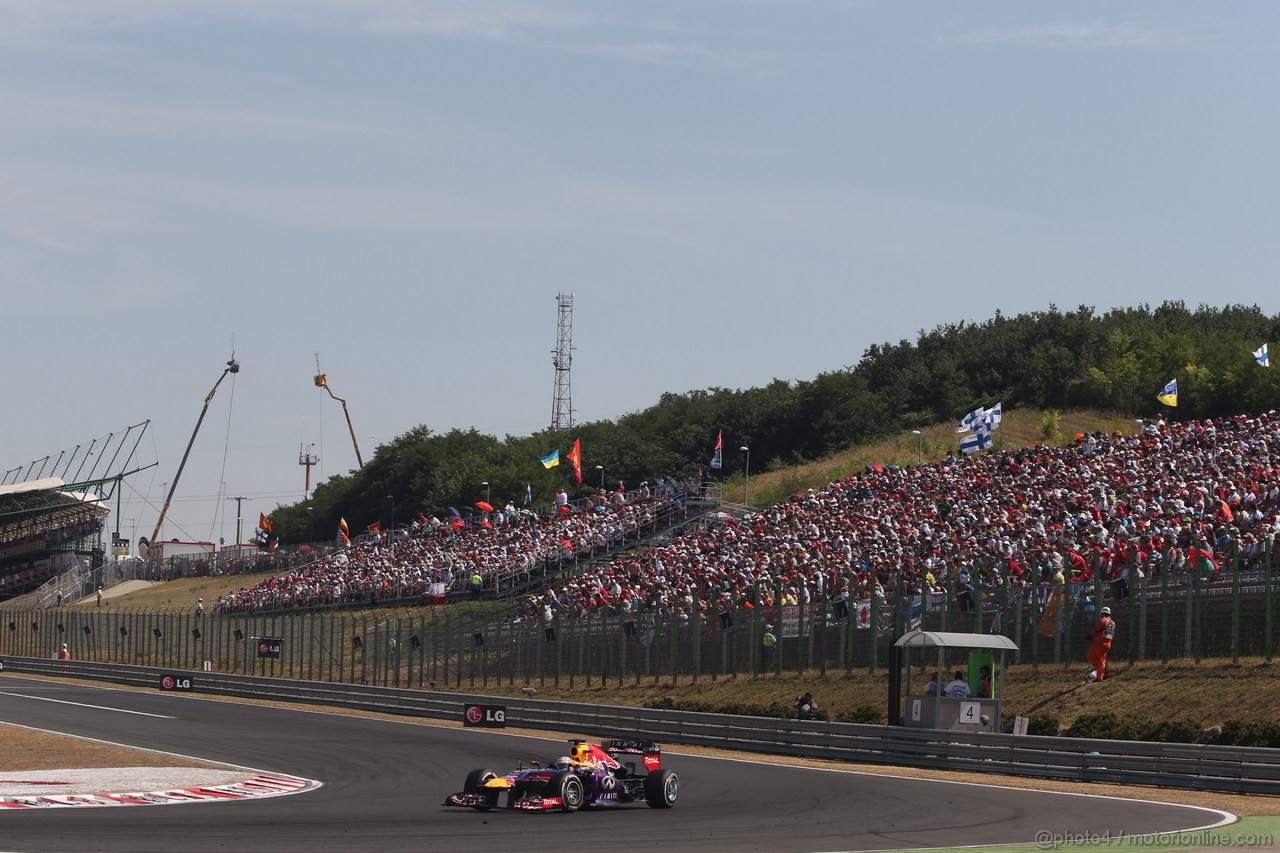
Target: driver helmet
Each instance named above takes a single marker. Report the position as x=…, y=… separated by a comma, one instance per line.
x=563, y=762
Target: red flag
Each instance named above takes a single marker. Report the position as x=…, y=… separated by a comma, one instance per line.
x=575, y=457
x=376, y=527
x=264, y=523
x=346, y=540
x=342, y=525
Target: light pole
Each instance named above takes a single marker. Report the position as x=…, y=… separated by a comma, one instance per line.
x=919, y=433
x=133, y=543
x=392, y=498
x=486, y=493
x=239, y=499
x=600, y=468
x=746, y=476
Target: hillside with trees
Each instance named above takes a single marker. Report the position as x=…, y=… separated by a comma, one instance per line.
x=1050, y=360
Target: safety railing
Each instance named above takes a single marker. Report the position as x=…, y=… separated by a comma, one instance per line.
x=1251, y=770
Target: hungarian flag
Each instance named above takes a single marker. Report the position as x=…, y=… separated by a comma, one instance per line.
x=264, y=523
x=716, y=459
x=1048, y=625
x=575, y=458
x=1201, y=559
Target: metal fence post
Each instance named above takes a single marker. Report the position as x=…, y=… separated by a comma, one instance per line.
x=1266, y=585
x=1235, y=603
x=1164, y=607
x=1198, y=604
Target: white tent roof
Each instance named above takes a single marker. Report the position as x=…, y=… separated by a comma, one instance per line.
x=955, y=640
x=48, y=484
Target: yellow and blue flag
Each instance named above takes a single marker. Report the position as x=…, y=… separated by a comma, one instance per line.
x=1169, y=396
x=551, y=460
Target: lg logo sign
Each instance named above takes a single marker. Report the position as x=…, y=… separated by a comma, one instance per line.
x=489, y=716
x=175, y=682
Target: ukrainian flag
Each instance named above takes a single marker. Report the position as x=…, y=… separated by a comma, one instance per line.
x=551, y=460
x=1169, y=396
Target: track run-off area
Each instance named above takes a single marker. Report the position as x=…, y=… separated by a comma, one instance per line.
x=382, y=782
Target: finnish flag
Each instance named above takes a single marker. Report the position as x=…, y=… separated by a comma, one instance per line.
x=1260, y=356
x=979, y=440
x=971, y=420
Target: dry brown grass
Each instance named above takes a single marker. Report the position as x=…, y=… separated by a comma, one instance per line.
x=1019, y=428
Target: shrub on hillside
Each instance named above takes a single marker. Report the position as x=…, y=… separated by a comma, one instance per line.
x=1094, y=726
x=864, y=714
x=745, y=709
x=1038, y=724
x=1177, y=731
x=1250, y=733
x=1049, y=430
x=1107, y=726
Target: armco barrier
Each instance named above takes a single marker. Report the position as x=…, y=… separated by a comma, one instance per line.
x=1194, y=766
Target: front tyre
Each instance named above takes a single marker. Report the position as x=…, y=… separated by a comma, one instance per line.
x=475, y=785
x=661, y=789
x=571, y=793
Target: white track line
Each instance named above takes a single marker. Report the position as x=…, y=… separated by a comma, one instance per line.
x=84, y=705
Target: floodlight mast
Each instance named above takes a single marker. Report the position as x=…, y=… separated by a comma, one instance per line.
x=233, y=366
x=322, y=381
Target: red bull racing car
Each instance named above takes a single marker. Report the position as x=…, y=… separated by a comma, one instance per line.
x=589, y=776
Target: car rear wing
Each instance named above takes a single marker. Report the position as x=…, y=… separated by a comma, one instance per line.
x=649, y=752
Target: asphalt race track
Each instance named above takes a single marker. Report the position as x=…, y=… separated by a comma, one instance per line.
x=384, y=782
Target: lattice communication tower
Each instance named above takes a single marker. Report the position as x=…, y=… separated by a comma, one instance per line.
x=562, y=358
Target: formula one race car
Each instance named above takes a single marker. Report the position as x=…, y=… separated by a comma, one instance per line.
x=589, y=775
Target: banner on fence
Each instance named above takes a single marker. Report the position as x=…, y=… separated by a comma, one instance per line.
x=169, y=681
x=485, y=716
x=268, y=647
x=790, y=621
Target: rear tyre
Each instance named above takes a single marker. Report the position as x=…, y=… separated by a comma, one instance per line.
x=661, y=789
x=571, y=793
x=475, y=785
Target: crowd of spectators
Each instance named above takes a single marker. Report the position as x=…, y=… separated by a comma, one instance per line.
x=432, y=558
x=1171, y=497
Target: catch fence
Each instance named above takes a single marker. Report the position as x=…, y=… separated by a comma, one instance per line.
x=1184, y=617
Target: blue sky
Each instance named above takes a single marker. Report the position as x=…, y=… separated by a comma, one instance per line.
x=733, y=191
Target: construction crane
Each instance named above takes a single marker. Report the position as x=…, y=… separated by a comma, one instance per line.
x=144, y=545
x=322, y=381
